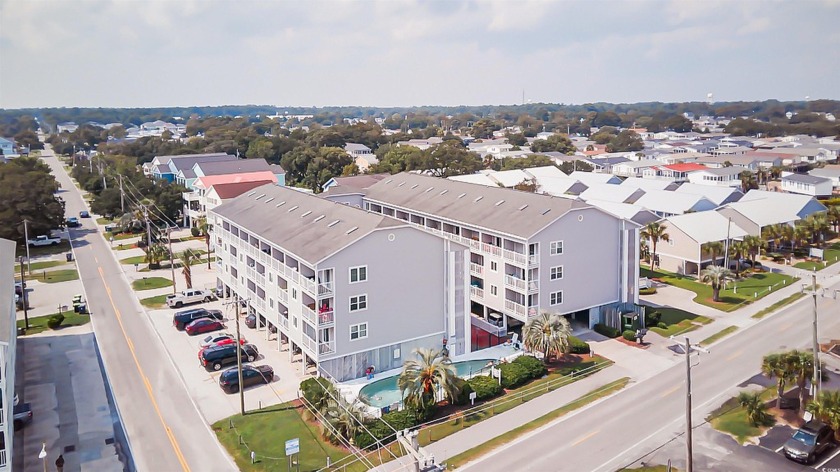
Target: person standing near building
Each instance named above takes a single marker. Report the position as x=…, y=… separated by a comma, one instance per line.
x=59, y=463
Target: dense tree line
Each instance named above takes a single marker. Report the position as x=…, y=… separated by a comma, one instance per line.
x=22, y=128
x=27, y=192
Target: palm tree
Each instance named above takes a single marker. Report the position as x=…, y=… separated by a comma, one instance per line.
x=644, y=249
x=737, y=250
x=826, y=407
x=754, y=246
x=833, y=215
x=775, y=365
x=204, y=229
x=154, y=254
x=801, y=234
x=762, y=174
x=747, y=181
x=547, y=333
x=188, y=258
x=801, y=367
x=817, y=224
x=715, y=276
x=423, y=376
x=344, y=420
x=755, y=408
x=655, y=232
x=714, y=248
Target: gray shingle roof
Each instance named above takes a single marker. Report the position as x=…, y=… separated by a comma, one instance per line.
x=806, y=179
x=309, y=227
x=165, y=159
x=508, y=211
x=237, y=166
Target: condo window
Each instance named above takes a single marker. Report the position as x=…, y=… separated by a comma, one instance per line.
x=556, y=248
x=556, y=273
x=358, y=331
x=358, y=274
x=556, y=298
x=358, y=303
x=494, y=267
x=494, y=290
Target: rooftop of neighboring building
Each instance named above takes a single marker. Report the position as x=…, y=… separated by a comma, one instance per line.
x=7, y=290
x=234, y=189
x=806, y=179
x=211, y=180
x=238, y=166
x=706, y=226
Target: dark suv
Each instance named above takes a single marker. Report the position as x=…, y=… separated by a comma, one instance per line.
x=213, y=358
x=182, y=318
x=812, y=439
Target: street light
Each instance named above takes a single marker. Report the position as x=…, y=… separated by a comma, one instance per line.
x=688, y=347
x=816, y=382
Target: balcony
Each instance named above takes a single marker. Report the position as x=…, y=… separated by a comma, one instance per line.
x=476, y=292
x=283, y=295
x=310, y=344
x=326, y=317
x=533, y=286
x=309, y=315
x=284, y=323
x=476, y=269
x=191, y=196
x=325, y=289
x=3, y=457
x=515, y=257
x=533, y=260
x=327, y=347
x=516, y=308
x=514, y=283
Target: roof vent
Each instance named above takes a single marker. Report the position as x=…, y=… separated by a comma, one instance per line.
x=319, y=218
x=401, y=184
x=351, y=230
x=444, y=192
x=389, y=181
x=251, y=193
x=545, y=212
x=269, y=199
x=333, y=223
x=477, y=199
x=499, y=202
x=281, y=204
x=259, y=196
x=414, y=186
x=429, y=189
x=462, y=195
x=523, y=207
x=306, y=213
x=293, y=208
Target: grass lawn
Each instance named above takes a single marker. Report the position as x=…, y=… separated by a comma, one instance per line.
x=104, y=221
x=56, y=276
x=149, y=283
x=778, y=304
x=178, y=265
x=39, y=324
x=154, y=302
x=265, y=431
x=63, y=246
x=731, y=418
x=719, y=335
x=478, y=451
x=737, y=293
x=121, y=236
x=134, y=260
x=830, y=255
x=678, y=321
x=38, y=266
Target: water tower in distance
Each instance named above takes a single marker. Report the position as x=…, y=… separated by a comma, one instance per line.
x=710, y=98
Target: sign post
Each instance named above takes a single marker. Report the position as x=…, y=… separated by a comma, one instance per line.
x=292, y=450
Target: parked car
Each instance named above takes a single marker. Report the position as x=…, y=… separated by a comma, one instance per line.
x=72, y=222
x=213, y=358
x=43, y=241
x=220, y=339
x=808, y=442
x=251, y=375
x=203, y=325
x=22, y=415
x=188, y=297
x=182, y=318
x=251, y=321
x=84, y=214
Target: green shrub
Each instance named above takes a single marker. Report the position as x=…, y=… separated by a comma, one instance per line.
x=464, y=391
x=484, y=387
x=577, y=346
x=629, y=335
x=647, y=291
x=605, y=330
x=662, y=325
x=535, y=367
x=513, y=375
x=195, y=232
x=55, y=321
x=652, y=318
x=379, y=430
x=313, y=389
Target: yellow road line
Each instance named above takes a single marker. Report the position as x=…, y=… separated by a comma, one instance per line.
x=785, y=327
x=146, y=382
x=588, y=436
x=665, y=394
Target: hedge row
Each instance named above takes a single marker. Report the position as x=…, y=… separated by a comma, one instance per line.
x=607, y=331
x=577, y=346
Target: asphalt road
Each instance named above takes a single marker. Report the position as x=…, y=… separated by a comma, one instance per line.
x=165, y=430
x=614, y=433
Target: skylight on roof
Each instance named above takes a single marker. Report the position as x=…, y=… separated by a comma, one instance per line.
x=305, y=214
x=477, y=198
x=333, y=223
x=499, y=202
x=351, y=230
x=292, y=209
x=319, y=218
x=523, y=207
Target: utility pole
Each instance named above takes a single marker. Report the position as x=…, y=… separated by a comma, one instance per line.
x=815, y=383
x=171, y=260
x=23, y=296
x=148, y=226
x=239, y=354
x=26, y=235
x=122, y=196
x=687, y=347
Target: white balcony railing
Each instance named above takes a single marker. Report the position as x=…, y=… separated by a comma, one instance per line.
x=514, y=307
x=327, y=347
x=533, y=286
x=325, y=289
x=515, y=257
x=283, y=295
x=309, y=315
x=191, y=196
x=533, y=260
x=284, y=323
x=3, y=457
x=476, y=292
x=326, y=317
x=515, y=283
x=476, y=269
x=310, y=344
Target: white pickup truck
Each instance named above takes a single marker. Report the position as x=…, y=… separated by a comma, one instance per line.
x=43, y=241
x=189, y=296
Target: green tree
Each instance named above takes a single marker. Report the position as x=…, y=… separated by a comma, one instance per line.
x=655, y=232
x=547, y=333
x=715, y=276
x=425, y=375
x=155, y=254
x=748, y=181
x=626, y=141
x=344, y=420
x=800, y=365
x=107, y=203
x=713, y=248
x=188, y=257
x=776, y=366
x=260, y=148
x=738, y=249
x=27, y=192
x=826, y=407
x=754, y=245
x=755, y=408
x=447, y=160
x=554, y=143
x=204, y=229
x=532, y=160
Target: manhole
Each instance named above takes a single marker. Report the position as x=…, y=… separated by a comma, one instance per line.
x=69, y=449
x=109, y=441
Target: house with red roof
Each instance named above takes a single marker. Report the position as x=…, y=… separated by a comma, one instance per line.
x=196, y=201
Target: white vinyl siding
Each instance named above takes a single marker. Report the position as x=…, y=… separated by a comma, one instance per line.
x=556, y=248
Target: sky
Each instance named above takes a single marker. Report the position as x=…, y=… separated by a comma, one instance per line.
x=139, y=53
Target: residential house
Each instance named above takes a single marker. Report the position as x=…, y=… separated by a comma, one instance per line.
x=362, y=155
x=592, y=178
x=672, y=172
x=627, y=211
x=605, y=164
x=346, y=288
x=545, y=171
x=830, y=172
x=612, y=193
x=718, y=195
x=649, y=184
x=197, y=200
x=684, y=252
x=807, y=184
x=529, y=252
x=421, y=144
x=479, y=178
x=717, y=176
x=666, y=203
x=167, y=167
x=759, y=209
x=633, y=168
x=752, y=161
x=360, y=181
x=66, y=127
x=8, y=351
x=560, y=186
x=7, y=147
x=221, y=193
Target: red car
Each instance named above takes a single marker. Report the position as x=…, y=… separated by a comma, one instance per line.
x=203, y=325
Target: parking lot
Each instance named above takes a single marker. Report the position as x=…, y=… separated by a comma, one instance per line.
x=775, y=440
x=203, y=386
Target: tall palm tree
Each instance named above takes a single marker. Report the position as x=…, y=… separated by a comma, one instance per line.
x=738, y=249
x=754, y=246
x=755, y=408
x=747, y=181
x=800, y=365
x=344, y=420
x=715, y=276
x=204, y=229
x=833, y=215
x=817, y=224
x=762, y=175
x=713, y=248
x=423, y=376
x=154, y=254
x=547, y=333
x=800, y=236
x=644, y=249
x=826, y=407
x=655, y=232
x=188, y=258
x=776, y=365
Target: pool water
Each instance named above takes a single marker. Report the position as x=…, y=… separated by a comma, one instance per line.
x=385, y=392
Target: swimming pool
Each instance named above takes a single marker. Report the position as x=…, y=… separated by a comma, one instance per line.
x=385, y=392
